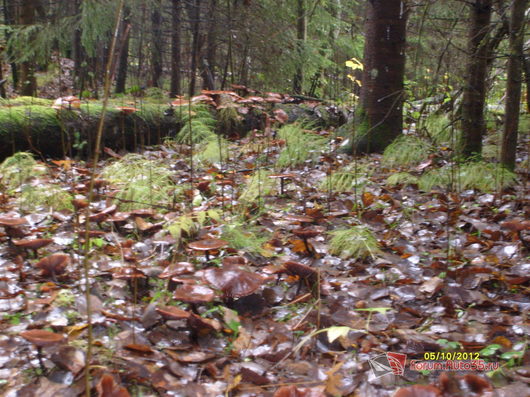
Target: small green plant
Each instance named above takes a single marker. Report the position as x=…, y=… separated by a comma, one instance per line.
x=258, y=185
x=198, y=125
x=355, y=242
x=440, y=130
x=228, y=120
x=347, y=178
x=18, y=169
x=407, y=150
x=65, y=298
x=249, y=238
x=300, y=146
x=213, y=151
x=47, y=196
x=189, y=224
x=449, y=345
x=402, y=178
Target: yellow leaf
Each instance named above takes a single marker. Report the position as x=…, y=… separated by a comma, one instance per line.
x=337, y=332
x=354, y=64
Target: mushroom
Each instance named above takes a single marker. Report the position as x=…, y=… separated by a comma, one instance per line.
x=306, y=233
x=175, y=269
x=53, y=265
x=132, y=275
x=304, y=272
x=172, y=313
x=282, y=178
x=33, y=244
x=12, y=226
x=194, y=294
x=41, y=338
x=234, y=281
x=207, y=246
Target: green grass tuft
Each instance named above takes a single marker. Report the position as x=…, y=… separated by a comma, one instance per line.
x=346, y=179
x=202, y=125
x=49, y=196
x=258, y=185
x=402, y=178
x=300, y=146
x=355, y=242
x=214, y=151
x=143, y=181
x=407, y=150
x=18, y=169
x=249, y=238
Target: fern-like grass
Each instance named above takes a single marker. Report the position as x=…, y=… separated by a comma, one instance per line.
x=18, y=169
x=242, y=236
x=480, y=175
x=202, y=125
x=407, y=150
x=355, y=242
x=47, y=196
x=300, y=146
x=141, y=182
x=402, y=178
x=214, y=151
x=188, y=225
x=258, y=186
x=346, y=179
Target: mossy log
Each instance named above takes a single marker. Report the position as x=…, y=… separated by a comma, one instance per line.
x=39, y=128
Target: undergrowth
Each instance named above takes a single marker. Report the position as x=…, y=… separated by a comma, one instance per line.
x=18, y=169
x=402, y=178
x=141, y=182
x=258, y=185
x=188, y=225
x=347, y=178
x=214, y=151
x=300, y=146
x=407, y=150
x=49, y=196
x=202, y=125
x=356, y=242
x=249, y=238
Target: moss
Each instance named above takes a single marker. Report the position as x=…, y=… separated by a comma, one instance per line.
x=19, y=169
x=26, y=101
x=49, y=196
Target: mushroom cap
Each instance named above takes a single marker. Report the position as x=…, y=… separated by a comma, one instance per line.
x=172, y=313
x=208, y=244
x=126, y=109
x=53, y=264
x=234, y=281
x=80, y=203
x=11, y=221
x=202, y=324
x=194, y=293
x=516, y=226
x=306, y=232
x=128, y=273
x=33, y=243
x=42, y=338
x=299, y=269
x=177, y=269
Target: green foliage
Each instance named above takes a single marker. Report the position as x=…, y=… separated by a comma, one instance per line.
x=402, y=178
x=213, y=151
x=355, y=242
x=26, y=101
x=480, y=175
x=143, y=182
x=258, y=185
x=438, y=127
x=228, y=120
x=346, y=178
x=49, y=196
x=300, y=146
x=407, y=150
x=202, y=125
x=188, y=225
x=249, y=238
x=18, y=169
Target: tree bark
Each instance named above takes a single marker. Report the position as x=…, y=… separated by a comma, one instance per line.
x=9, y=19
x=28, y=83
x=208, y=65
x=513, y=84
x=194, y=15
x=301, y=38
x=474, y=99
x=156, y=44
x=379, y=118
x=176, y=9
x=121, y=77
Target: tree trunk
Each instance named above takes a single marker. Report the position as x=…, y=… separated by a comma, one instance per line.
x=194, y=15
x=156, y=44
x=301, y=38
x=9, y=19
x=513, y=84
x=175, y=88
x=475, y=90
x=121, y=77
x=526, y=66
x=28, y=83
x=379, y=118
x=208, y=66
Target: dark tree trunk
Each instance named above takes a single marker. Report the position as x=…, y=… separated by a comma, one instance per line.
x=176, y=10
x=194, y=15
x=28, y=84
x=208, y=64
x=121, y=78
x=156, y=44
x=379, y=118
x=301, y=38
x=9, y=19
x=513, y=84
x=474, y=99
x=526, y=65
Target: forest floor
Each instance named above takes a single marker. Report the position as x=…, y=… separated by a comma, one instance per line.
x=310, y=285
